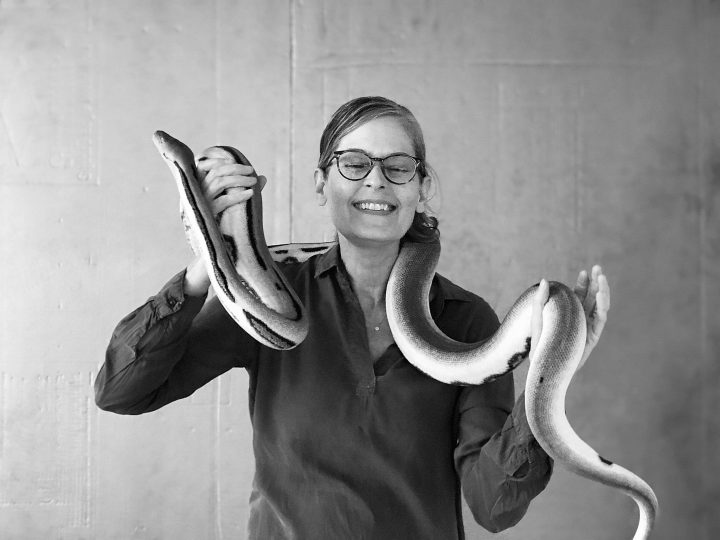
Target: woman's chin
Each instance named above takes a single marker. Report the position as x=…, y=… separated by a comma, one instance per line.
x=375, y=239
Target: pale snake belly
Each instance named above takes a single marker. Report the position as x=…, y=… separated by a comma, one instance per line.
x=257, y=296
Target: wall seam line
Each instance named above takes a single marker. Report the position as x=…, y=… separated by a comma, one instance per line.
x=291, y=124
x=216, y=506
x=702, y=238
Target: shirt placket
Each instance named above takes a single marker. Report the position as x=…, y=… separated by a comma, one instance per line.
x=360, y=348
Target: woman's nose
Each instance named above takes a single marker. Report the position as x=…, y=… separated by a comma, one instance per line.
x=375, y=178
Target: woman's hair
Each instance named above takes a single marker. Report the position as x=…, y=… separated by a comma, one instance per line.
x=358, y=111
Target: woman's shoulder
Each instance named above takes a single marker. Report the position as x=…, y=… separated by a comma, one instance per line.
x=450, y=291
x=302, y=262
x=291, y=255
x=463, y=313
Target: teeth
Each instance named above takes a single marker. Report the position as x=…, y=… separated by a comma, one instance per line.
x=374, y=206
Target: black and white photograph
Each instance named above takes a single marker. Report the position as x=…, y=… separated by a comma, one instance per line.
x=359, y=270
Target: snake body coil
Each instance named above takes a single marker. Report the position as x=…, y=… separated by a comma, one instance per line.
x=247, y=282
x=255, y=293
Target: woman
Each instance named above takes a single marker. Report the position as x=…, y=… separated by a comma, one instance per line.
x=350, y=440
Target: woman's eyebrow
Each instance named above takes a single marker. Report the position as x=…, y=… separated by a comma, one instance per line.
x=371, y=155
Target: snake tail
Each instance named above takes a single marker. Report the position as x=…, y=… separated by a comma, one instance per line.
x=548, y=379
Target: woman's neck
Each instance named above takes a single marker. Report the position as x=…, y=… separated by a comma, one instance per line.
x=369, y=267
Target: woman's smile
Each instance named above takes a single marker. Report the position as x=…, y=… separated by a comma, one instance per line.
x=372, y=208
x=375, y=207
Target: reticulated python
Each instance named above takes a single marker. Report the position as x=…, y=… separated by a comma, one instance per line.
x=255, y=293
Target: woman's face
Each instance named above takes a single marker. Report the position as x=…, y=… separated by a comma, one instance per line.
x=348, y=200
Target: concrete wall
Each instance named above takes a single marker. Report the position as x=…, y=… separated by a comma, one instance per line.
x=564, y=133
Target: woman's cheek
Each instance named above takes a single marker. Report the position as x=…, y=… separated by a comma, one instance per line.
x=411, y=206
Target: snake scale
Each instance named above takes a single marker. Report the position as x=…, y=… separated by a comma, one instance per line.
x=245, y=277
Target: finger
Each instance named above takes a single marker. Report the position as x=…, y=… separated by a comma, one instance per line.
x=207, y=164
x=581, y=287
x=589, y=301
x=214, y=152
x=203, y=165
x=222, y=185
x=605, y=287
x=597, y=319
x=602, y=298
x=221, y=168
x=228, y=170
x=233, y=197
x=210, y=158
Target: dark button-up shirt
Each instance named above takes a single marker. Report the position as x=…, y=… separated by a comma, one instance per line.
x=344, y=447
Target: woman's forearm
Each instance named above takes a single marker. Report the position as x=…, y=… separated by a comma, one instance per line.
x=144, y=349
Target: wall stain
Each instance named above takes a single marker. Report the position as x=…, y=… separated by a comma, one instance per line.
x=712, y=181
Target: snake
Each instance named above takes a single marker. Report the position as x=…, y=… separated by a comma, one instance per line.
x=245, y=276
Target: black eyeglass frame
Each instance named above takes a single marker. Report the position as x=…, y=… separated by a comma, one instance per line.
x=381, y=161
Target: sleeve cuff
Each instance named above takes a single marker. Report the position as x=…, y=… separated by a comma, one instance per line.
x=520, y=423
x=172, y=297
x=528, y=444
x=518, y=450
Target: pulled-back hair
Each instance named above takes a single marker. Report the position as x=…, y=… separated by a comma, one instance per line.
x=361, y=110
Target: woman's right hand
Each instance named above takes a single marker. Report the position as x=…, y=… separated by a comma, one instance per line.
x=225, y=183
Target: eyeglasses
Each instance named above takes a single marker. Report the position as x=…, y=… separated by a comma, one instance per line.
x=355, y=165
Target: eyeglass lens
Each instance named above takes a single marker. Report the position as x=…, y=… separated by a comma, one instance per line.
x=356, y=166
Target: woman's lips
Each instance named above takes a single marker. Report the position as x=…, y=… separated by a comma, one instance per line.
x=374, y=207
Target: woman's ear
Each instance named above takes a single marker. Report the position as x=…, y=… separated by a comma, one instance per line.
x=425, y=193
x=320, y=183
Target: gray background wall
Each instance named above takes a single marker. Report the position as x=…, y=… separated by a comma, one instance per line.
x=564, y=132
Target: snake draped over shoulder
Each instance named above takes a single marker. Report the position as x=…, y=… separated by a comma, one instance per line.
x=257, y=296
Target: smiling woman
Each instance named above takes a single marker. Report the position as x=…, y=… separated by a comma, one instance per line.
x=387, y=124
x=350, y=440
x=370, y=209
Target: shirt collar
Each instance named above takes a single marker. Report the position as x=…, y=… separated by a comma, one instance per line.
x=328, y=260
x=447, y=290
x=442, y=288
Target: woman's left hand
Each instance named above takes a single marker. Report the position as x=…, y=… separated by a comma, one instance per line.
x=594, y=294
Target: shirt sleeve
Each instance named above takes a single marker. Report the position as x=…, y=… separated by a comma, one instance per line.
x=500, y=464
x=166, y=349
